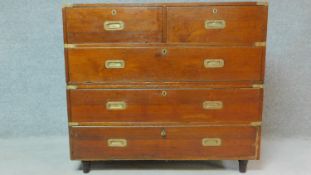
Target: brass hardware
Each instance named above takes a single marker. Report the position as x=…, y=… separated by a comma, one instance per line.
x=214, y=63
x=71, y=87
x=215, y=10
x=114, y=12
x=258, y=86
x=113, y=25
x=69, y=46
x=264, y=3
x=260, y=44
x=215, y=24
x=211, y=142
x=115, y=64
x=256, y=124
x=163, y=93
x=163, y=133
x=73, y=124
x=211, y=105
x=67, y=5
x=116, y=105
x=164, y=51
x=117, y=142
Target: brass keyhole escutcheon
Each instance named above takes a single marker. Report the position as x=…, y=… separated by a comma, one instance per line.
x=164, y=52
x=163, y=93
x=114, y=12
x=163, y=133
x=215, y=10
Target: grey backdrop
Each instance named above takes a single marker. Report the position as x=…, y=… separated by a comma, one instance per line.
x=32, y=78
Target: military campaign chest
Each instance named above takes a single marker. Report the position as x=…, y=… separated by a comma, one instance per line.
x=165, y=81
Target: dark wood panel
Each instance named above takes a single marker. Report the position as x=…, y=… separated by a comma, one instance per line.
x=141, y=24
x=180, y=143
x=244, y=24
x=239, y=105
x=179, y=64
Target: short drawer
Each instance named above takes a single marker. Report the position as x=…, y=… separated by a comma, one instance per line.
x=174, y=64
x=113, y=24
x=217, y=24
x=164, y=143
x=169, y=105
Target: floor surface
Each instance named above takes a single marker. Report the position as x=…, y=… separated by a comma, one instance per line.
x=50, y=156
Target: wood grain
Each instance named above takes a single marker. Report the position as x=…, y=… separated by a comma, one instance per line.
x=179, y=65
x=183, y=4
x=177, y=106
x=86, y=25
x=169, y=85
x=244, y=24
x=181, y=143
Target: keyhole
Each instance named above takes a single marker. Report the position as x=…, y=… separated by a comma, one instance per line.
x=114, y=12
x=163, y=93
x=215, y=10
x=163, y=133
x=164, y=51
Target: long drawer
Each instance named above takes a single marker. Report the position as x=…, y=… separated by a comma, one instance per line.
x=217, y=24
x=113, y=24
x=188, y=143
x=153, y=64
x=166, y=105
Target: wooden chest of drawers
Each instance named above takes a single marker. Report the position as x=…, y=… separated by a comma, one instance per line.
x=174, y=81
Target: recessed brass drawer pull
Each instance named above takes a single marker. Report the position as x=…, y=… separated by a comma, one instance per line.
x=117, y=142
x=114, y=25
x=116, y=105
x=211, y=142
x=215, y=24
x=211, y=105
x=214, y=63
x=115, y=64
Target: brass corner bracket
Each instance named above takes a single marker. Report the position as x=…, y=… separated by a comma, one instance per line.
x=256, y=124
x=258, y=86
x=260, y=44
x=67, y=5
x=263, y=3
x=71, y=87
x=69, y=46
x=73, y=124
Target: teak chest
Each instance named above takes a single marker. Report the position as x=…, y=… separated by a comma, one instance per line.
x=165, y=81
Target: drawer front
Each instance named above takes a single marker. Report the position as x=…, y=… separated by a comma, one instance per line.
x=114, y=24
x=155, y=64
x=154, y=143
x=217, y=24
x=189, y=105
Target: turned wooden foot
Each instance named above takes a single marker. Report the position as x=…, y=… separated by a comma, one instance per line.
x=243, y=165
x=86, y=166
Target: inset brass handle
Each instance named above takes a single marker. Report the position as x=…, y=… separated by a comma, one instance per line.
x=211, y=142
x=214, y=63
x=116, y=105
x=212, y=105
x=114, y=25
x=115, y=64
x=117, y=142
x=215, y=24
